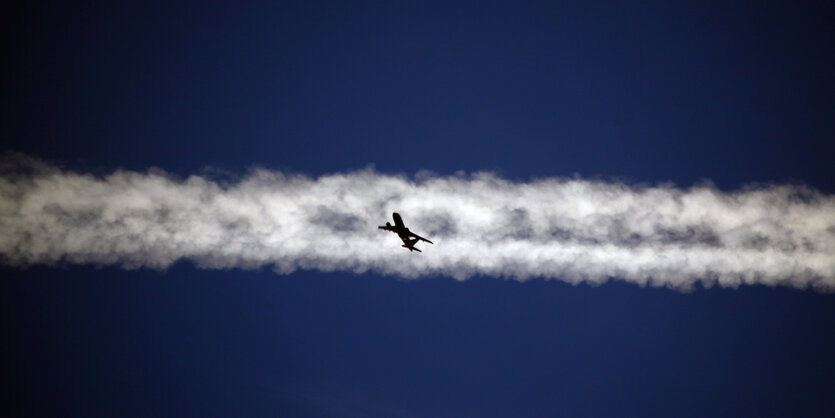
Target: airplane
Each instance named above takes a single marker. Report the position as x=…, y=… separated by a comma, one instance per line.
x=409, y=238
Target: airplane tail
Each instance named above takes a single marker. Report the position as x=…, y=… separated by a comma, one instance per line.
x=411, y=248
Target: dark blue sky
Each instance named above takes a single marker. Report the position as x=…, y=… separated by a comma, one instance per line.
x=736, y=94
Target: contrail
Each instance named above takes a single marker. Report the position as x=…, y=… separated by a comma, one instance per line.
x=558, y=228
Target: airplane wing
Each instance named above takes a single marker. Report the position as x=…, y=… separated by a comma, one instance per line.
x=386, y=228
x=420, y=237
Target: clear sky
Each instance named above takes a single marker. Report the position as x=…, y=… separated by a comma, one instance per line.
x=729, y=92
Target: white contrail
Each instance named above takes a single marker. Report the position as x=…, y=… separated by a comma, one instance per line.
x=568, y=229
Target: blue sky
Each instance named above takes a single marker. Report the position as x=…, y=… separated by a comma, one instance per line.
x=644, y=94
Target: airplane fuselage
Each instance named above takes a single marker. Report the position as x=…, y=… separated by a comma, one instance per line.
x=408, y=237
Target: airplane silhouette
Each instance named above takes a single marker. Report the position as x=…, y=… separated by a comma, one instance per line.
x=409, y=238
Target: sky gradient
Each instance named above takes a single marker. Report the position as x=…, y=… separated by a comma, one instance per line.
x=722, y=95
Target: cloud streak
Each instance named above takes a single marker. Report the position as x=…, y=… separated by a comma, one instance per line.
x=568, y=229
